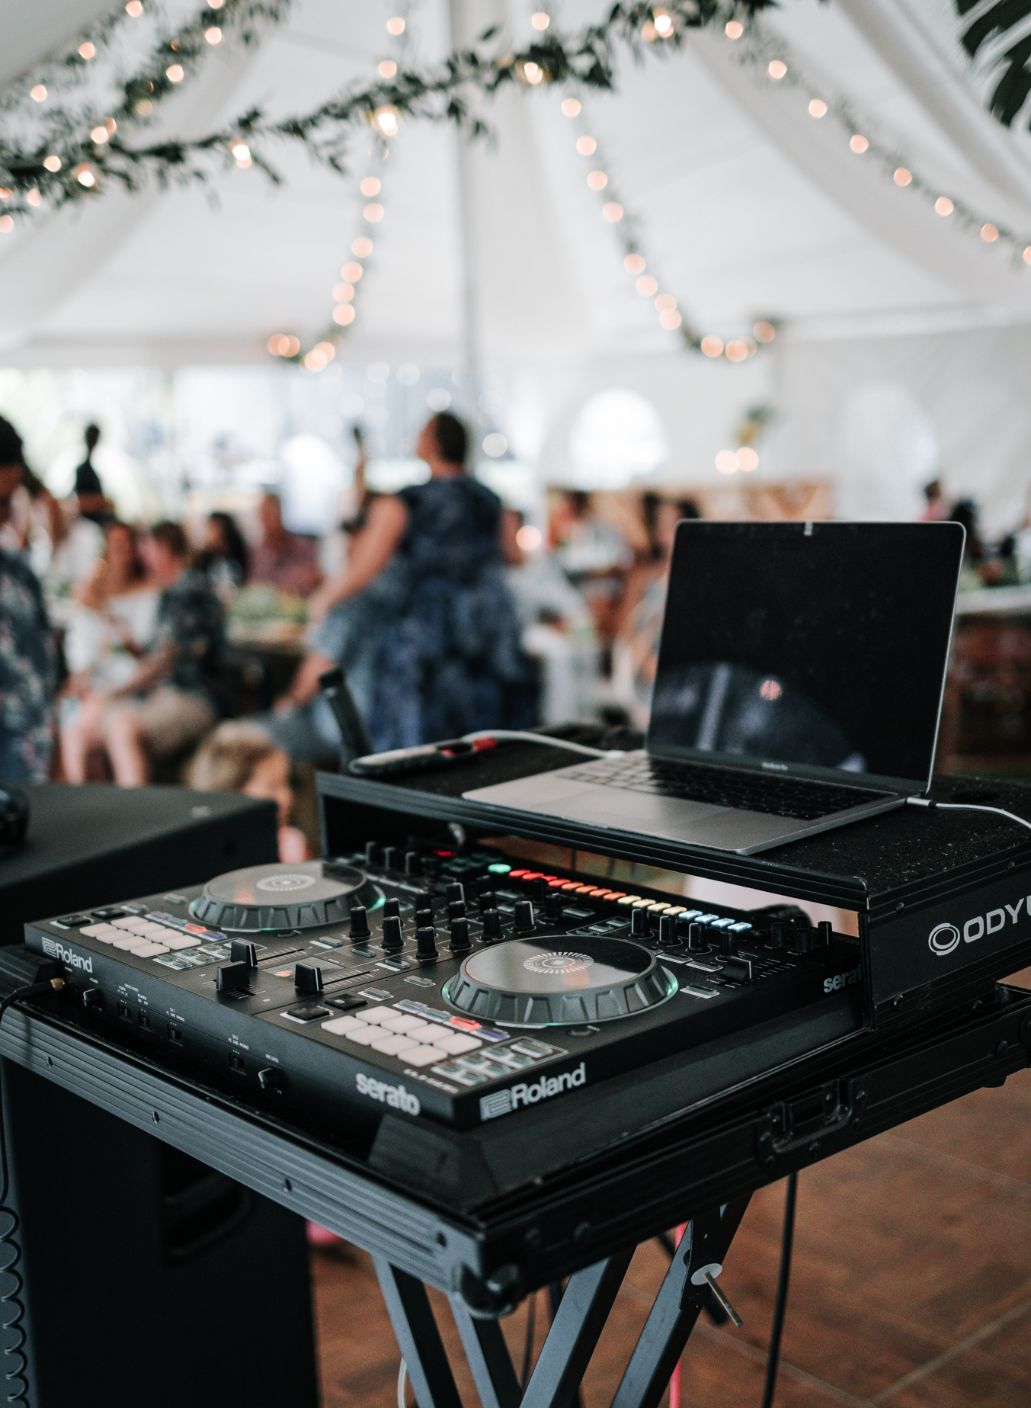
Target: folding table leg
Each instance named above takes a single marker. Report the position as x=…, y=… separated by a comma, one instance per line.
x=676, y=1307
x=418, y=1337
x=575, y=1331
x=489, y=1359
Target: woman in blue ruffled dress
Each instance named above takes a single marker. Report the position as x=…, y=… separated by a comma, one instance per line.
x=449, y=657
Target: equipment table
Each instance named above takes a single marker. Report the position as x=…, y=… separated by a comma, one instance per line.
x=929, y=1022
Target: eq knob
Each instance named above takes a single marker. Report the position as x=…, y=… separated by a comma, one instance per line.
x=668, y=929
x=726, y=942
x=491, y=925
x=392, y=909
x=308, y=978
x=359, y=922
x=485, y=899
x=639, y=928
x=824, y=934
x=423, y=901
x=553, y=904
x=392, y=939
x=373, y=854
x=243, y=951
x=454, y=890
x=456, y=909
x=413, y=863
x=459, y=941
x=523, y=917
x=426, y=945
x=389, y=857
x=697, y=938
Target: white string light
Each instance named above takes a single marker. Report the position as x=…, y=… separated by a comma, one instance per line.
x=771, y=61
x=385, y=122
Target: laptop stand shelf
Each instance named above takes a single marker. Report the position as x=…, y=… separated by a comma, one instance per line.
x=908, y=874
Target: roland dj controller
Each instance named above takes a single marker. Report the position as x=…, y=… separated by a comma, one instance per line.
x=457, y=987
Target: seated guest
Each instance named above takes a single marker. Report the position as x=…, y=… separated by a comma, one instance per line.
x=240, y=757
x=107, y=631
x=172, y=697
x=224, y=557
x=282, y=559
x=27, y=653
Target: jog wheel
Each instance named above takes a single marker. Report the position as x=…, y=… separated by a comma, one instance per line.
x=270, y=897
x=559, y=980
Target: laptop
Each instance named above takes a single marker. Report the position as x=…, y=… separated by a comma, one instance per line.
x=798, y=687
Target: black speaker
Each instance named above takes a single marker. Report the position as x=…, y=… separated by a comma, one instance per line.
x=95, y=844
x=148, y=1277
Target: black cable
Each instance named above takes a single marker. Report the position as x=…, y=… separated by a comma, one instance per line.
x=12, y=1309
x=780, y=1304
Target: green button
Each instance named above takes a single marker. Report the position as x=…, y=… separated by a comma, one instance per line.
x=498, y=869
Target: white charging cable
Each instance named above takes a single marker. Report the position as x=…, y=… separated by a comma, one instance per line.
x=967, y=807
x=513, y=735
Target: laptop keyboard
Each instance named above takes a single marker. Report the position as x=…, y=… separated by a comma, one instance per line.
x=724, y=787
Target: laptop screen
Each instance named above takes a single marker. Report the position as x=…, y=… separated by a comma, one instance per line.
x=807, y=646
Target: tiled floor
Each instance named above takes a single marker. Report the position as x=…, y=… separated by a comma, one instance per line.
x=911, y=1285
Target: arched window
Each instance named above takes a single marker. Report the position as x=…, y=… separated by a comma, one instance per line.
x=616, y=438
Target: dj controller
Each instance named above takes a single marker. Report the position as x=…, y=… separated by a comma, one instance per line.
x=460, y=987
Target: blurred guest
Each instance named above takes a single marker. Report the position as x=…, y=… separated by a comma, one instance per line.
x=89, y=492
x=451, y=658
x=27, y=654
x=107, y=631
x=173, y=696
x=285, y=560
x=240, y=757
x=593, y=554
x=935, y=506
x=558, y=635
x=224, y=557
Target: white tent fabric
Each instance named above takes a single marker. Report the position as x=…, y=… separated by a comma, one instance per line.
x=747, y=207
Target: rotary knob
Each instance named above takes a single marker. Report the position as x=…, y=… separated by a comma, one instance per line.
x=454, y=890
x=372, y=854
x=553, y=905
x=413, y=863
x=491, y=925
x=697, y=938
x=668, y=929
x=359, y=922
x=639, y=927
x=392, y=940
x=423, y=901
x=726, y=942
x=392, y=909
x=389, y=857
x=456, y=909
x=459, y=941
x=523, y=917
x=426, y=945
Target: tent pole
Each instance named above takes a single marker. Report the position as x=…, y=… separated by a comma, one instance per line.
x=470, y=376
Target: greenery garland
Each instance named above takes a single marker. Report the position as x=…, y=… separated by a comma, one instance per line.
x=70, y=160
x=72, y=167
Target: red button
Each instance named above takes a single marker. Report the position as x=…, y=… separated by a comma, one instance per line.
x=466, y=1022
x=557, y=885
x=517, y=874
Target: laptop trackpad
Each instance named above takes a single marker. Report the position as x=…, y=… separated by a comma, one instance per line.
x=601, y=806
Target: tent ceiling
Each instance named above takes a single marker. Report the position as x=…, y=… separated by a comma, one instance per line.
x=746, y=206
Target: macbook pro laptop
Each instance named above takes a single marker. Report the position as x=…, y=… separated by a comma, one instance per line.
x=798, y=688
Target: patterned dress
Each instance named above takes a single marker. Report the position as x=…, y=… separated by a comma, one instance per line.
x=28, y=674
x=450, y=660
